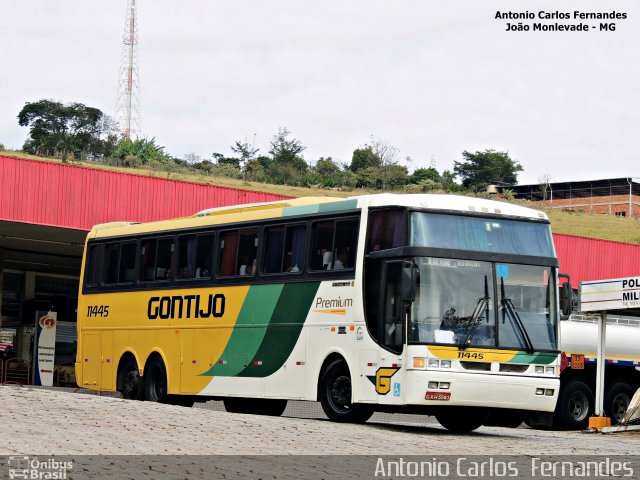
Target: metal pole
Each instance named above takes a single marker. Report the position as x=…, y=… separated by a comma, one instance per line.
x=602, y=340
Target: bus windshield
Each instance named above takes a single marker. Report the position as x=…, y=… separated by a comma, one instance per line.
x=485, y=304
x=481, y=234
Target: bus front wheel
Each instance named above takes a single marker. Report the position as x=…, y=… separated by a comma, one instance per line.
x=155, y=381
x=335, y=396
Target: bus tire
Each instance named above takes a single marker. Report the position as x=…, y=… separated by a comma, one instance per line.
x=462, y=419
x=575, y=406
x=155, y=383
x=335, y=395
x=130, y=383
x=616, y=401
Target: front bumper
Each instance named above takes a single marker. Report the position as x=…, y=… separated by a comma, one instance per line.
x=481, y=390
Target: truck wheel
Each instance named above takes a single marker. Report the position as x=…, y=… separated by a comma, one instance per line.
x=335, y=396
x=462, y=419
x=575, y=406
x=616, y=401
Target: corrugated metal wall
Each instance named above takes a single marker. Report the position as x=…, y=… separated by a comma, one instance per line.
x=591, y=259
x=79, y=197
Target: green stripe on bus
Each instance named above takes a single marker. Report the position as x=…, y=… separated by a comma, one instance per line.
x=538, y=358
x=320, y=208
x=283, y=330
x=249, y=331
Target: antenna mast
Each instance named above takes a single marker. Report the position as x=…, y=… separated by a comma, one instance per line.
x=129, y=82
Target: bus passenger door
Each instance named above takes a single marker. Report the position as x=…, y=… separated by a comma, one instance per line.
x=393, y=321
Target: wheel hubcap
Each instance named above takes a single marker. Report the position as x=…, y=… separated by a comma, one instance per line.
x=619, y=406
x=578, y=406
x=341, y=393
x=130, y=384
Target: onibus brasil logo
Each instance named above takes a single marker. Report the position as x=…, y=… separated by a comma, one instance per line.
x=35, y=469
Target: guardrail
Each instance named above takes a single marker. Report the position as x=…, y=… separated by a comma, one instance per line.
x=611, y=319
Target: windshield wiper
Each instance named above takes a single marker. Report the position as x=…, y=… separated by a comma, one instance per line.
x=510, y=309
x=481, y=307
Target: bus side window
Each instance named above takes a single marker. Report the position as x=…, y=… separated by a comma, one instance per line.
x=164, y=259
x=186, y=256
x=127, y=273
x=247, y=252
x=148, y=262
x=322, y=245
x=295, y=243
x=228, y=257
x=204, y=255
x=111, y=262
x=273, y=249
x=346, y=244
x=91, y=267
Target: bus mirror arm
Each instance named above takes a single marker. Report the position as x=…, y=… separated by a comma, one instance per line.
x=566, y=296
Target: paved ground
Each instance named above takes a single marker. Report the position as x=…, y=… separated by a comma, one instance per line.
x=45, y=422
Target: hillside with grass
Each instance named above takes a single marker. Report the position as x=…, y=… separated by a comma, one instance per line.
x=606, y=227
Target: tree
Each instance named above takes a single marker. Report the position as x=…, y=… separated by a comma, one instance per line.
x=140, y=151
x=421, y=174
x=287, y=152
x=545, y=185
x=69, y=129
x=480, y=169
x=287, y=165
x=364, y=158
x=245, y=152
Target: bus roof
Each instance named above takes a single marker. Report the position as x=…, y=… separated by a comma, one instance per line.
x=311, y=205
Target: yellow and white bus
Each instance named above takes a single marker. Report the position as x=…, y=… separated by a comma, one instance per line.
x=436, y=304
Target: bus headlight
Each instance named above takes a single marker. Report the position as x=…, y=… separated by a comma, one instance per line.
x=539, y=369
x=445, y=363
x=434, y=363
x=550, y=370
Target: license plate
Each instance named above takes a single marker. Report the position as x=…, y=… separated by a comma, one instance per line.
x=577, y=362
x=440, y=396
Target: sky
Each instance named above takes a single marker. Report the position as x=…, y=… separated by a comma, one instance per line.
x=431, y=78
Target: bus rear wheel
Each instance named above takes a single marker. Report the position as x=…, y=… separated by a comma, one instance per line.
x=462, y=419
x=155, y=383
x=335, y=396
x=130, y=384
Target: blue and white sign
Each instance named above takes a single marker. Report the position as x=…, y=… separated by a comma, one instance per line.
x=396, y=389
x=612, y=294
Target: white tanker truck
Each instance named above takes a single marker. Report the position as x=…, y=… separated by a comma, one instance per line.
x=578, y=342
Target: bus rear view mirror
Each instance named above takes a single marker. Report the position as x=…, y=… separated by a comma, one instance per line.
x=566, y=296
x=409, y=279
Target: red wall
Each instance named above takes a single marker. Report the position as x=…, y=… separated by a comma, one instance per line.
x=591, y=259
x=78, y=197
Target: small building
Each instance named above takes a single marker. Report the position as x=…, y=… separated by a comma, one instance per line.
x=613, y=196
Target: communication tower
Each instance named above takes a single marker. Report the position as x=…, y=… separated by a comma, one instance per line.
x=129, y=81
